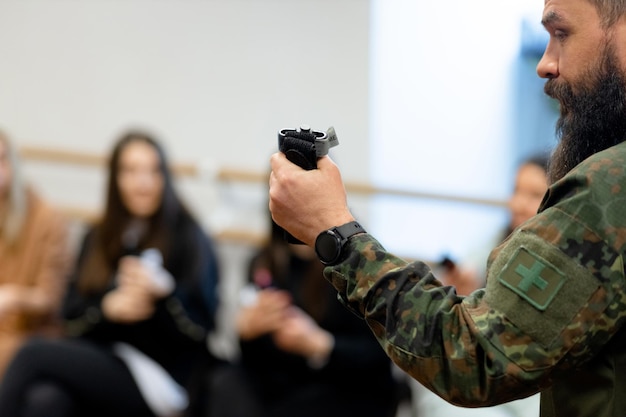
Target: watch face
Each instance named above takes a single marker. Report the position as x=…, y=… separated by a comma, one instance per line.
x=327, y=246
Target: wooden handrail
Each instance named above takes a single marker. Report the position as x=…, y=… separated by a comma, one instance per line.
x=225, y=174
x=63, y=156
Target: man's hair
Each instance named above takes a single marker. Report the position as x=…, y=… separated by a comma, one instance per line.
x=610, y=11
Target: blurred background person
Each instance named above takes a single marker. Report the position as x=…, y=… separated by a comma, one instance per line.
x=302, y=352
x=34, y=259
x=531, y=184
x=139, y=305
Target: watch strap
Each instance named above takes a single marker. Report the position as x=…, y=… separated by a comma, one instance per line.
x=346, y=231
x=337, y=238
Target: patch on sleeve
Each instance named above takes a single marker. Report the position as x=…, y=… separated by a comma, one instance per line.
x=533, y=278
x=537, y=287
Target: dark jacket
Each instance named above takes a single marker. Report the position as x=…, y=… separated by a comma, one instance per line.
x=288, y=386
x=175, y=336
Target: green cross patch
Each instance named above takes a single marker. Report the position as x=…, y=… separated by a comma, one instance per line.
x=532, y=278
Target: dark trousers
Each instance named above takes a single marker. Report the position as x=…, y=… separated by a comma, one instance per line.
x=69, y=378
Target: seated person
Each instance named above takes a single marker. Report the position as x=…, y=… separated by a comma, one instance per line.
x=301, y=350
x=34, y=259
x=138, y=309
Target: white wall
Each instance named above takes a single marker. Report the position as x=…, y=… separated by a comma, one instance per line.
x=215, y=79
x=444, y=120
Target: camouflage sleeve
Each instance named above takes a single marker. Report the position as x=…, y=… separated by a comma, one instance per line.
x=554, y=297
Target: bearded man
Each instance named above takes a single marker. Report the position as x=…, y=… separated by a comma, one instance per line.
x=551, y=318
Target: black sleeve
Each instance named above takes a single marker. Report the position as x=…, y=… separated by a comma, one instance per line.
x=82, y=313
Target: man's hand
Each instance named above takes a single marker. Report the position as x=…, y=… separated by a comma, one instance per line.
x=306, y=203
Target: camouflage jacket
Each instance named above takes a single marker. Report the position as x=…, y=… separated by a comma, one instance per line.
x=550, y=318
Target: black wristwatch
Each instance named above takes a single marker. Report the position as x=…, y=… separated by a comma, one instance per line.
x=329, y=243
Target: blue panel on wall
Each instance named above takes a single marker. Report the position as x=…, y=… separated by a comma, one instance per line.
x=534, y=38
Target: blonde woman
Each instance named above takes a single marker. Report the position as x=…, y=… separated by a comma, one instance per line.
x=34, y=259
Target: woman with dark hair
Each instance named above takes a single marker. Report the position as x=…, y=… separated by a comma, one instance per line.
x=138, y=309
x=301, y=350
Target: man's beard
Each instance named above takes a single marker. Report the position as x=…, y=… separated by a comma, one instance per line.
x=592, y=119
